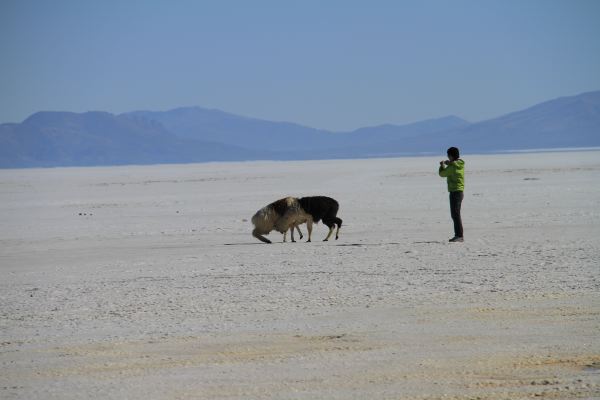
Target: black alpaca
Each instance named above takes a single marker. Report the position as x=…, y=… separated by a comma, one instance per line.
x=321, y=208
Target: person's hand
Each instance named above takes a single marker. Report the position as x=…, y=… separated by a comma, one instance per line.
x=442, y=163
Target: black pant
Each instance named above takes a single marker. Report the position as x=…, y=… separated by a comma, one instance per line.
x=456, y=199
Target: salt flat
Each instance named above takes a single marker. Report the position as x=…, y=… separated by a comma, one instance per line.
x=144, y=282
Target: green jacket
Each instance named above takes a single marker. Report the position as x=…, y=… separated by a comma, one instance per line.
x=455, y=175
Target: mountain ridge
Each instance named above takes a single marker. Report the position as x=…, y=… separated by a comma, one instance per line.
x=196, y=134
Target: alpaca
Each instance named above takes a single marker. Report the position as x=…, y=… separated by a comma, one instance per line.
x=280, y=215
x=320, y=208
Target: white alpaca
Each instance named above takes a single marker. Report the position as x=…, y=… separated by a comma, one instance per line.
x=280, y=215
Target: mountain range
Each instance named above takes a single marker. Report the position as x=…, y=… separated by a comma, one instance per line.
x=195, y=134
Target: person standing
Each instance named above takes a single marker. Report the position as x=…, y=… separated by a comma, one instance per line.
x=453, y=169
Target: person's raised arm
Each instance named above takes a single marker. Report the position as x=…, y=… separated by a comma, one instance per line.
x=443, y=171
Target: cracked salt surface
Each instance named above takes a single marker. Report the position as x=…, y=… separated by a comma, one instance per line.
x=137, y=300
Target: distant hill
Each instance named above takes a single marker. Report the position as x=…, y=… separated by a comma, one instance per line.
x=195, y=134
x=48, y=139
x=564, y=122
x=561, y=123
x=296, y=140
x=394, y=140
x=395, y=133
x=217, y=126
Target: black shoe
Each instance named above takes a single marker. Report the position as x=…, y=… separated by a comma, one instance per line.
x=456, y=239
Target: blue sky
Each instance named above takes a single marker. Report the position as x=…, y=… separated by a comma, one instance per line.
x=338, y=65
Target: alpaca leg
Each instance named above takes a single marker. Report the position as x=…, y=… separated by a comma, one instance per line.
x=309, y=225
x=292, y=233
x=331, y=227
x=285, y=236
x=299, y=232
x=338, y=221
